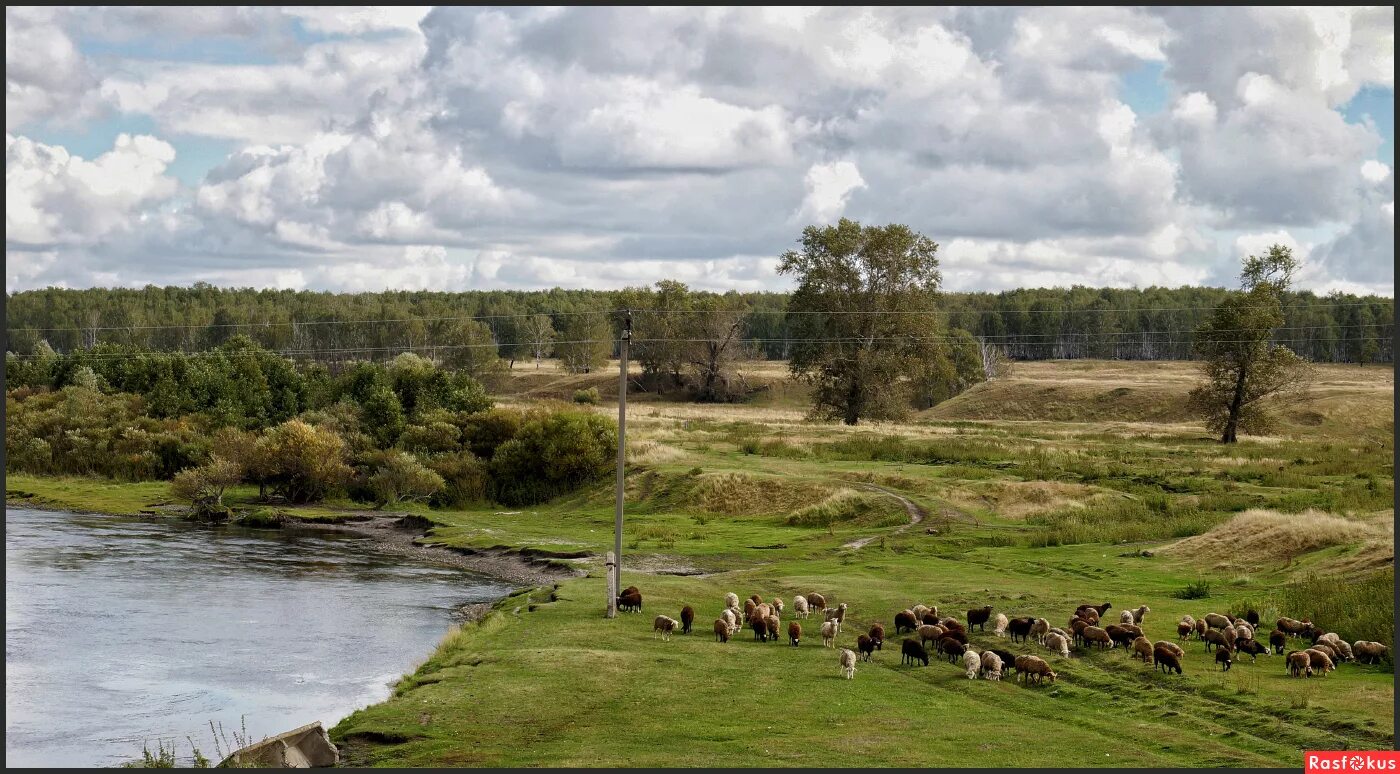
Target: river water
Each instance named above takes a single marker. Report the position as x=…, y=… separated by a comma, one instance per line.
x=123, y=631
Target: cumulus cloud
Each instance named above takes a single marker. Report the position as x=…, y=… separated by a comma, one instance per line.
x=828, y=188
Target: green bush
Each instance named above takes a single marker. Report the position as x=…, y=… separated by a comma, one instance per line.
x=466, y=480
x=553, y=454
x=401, y=478
x=589, y=396
x=1199, y=589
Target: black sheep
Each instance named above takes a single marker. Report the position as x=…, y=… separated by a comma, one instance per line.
x=904, y=621
x=1254, y=648
x=1020, y=628
x=951, y=648
x=687, y=618
x=930, y=619
x=877, y=633
x=978, y=617
x=630, y=600
x=1252, y=616
x=866, y=645
x=910, y=651
x=1278, y=640
x=1225, y=657
x=1006, y=657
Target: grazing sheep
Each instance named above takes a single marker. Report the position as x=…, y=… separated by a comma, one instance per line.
x=1039, y=629
x=1328, y=649
x=848, y=663
x=794, y=632
x=1165, y=660
x=764, y=609
x=929, y=618
x=1224, y=657
x=665, y=625
x=1035, y=666
x=1230, y=636
x=1243, y=631
x=1122, y=635
x=1133, y=629
x=999, y=625
x=1093, y=635
x=760, y=628
x=829, y=634
x=722, y=630
x=866, y=646
x=1216, y=621
x=687, y=619
x=731, y=600
x=1183, y=630
x=799, y=607
x=1312, y=632
x=1298, y=664
x=955, y=636
x=972, y=663
x=991, y=665
x=978, y=617
x=629, y=601
x=1059, y=631
x=951, y=648
x=911, y=651
x=1277, y=640
x=1201, y=628
x=952, y=624
x=1099, y=610
x=774, y=627
x=905, y=621
x=1171, y=647
x=1370, y=652
x=1189, y=621
x=1007, y=659
x=1077, y=626
x=1254, y=648
x=1142, y=649
x=1057, y=643
x=778, y=606
x=757, y=600
x=1020, y=628
x=920, y=611
x=1293, y=627
x=1125, y=617
x=1214, y=637
x=749, y=607
x=730, y=618
x=1320, y=661
x=816, y=601
x=929, y=633
x=877, y=633
x=1342, y=647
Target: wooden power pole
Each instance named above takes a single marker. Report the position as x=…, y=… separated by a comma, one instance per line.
x=616, y=578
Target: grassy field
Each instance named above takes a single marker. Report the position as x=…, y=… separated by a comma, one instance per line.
x=1067, y=483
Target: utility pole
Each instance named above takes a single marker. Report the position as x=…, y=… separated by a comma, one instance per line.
x=621, y=463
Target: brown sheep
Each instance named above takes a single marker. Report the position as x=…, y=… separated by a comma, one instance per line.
x=816, y=601
x=1077, y=627
x=757, y=600
x=1142, y=649
x=1327, y=648
x=760, y=628
x=905, y=621
x=1230, y=636
x=877, y=633
x=1035, y=666
x=773, y=626
x=794, y=632
x=1165, y=660
x=749, y=607
x=1183, y=630
x=721, y=630
x=955, y=636
x=1201, y=628
x=1216, y=621
x=1093, y=635
x=952, y=624
x=630, y=600
x=1171, y=647
x=1252, y=616
x=1320, y=662
x=1214, y=637
x=978, y=617
x=1121, y=635
x=687, y=618
x=1254, y=648
x=1224, y=657
x=866, y=645
x=664, y=624
x=928, y=633
x=929, y=618
x=1277, y=640
x=1298, y=664
x=1370, y=652
x=1133, y=629
x=1293, y=627
x=951, y=648
x=1099, y=610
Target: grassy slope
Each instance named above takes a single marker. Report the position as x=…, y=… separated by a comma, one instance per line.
x=561, y=685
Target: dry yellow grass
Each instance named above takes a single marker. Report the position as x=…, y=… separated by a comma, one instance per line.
x=1017, y=500
x=738, y=493
x=1262, y=538
x=647, y=452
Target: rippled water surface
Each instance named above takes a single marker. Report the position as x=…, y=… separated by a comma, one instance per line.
x=119, y=631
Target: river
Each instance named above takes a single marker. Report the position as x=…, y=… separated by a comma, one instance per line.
x=122, y=631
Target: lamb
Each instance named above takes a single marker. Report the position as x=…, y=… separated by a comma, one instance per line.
x=1216, y=621
x=928, y=633
x=911, y=651
x=972, y=663
x=848, y=663
x=877, y=634
x=816, y=601
x=1035, y=666
x=1165, y=660
x=1093, y=635
x=1224, y=657
x=978, y=617
x=731, y=600
x=837, y=614
x=1253, y=648
x=794, y=632
x=665, y=625
x=1142, y=649
x=799, y=607
x=905, y=620
x=829, y=634
x=1277, y=640
x=687, y=619
x=778, y=606
x=722, y=630
x=1020, y=628
x=1125, y=617
x=999, y=627
x=1369, y=651
x=1039, y=629
x=1183, y=630
x=1057, y=643
x=1298, y=664
x=1171, y=647
x=991, y=665
x=951, y=648
x=1320, y=662
x=1140, y=614
x=866, y=646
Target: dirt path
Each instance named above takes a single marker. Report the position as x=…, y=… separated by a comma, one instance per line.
x=916, y=515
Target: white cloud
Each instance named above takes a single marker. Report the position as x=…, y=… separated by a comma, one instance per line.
x=1374, y=171
x=829, y=186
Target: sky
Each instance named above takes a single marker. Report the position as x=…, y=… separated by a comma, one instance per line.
x=364, y=148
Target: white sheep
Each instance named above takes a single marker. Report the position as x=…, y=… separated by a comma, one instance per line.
x=731, y=600
x=1189, y=621
x=829, y=630
x=973, y=664
x=848, y=663
x=1140, y=614
x=778, y=605
x=799, y=607
x=1057, y=643
x=1039, y=629
x=919, y=611
x=991, y=665
x=1125, y=617
x=1059, y=631
x=1243, y=631
x=1000, y=626
x=837, y=614
x=665, y=625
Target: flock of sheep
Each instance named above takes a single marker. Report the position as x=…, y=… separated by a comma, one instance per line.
x=1226, y=635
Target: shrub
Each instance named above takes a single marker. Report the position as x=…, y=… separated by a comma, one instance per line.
x=205, y=485
x=403, y=479
x=553, y=454
x=304, y=463
x=466, y=480
x=483, y=432
x=432, y=438
x=1199, y=589
x=589, y=396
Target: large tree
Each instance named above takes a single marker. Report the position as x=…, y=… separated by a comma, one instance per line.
x=862, y=318
x=1241, y=365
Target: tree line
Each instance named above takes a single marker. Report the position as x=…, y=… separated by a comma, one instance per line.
x=581, y=327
